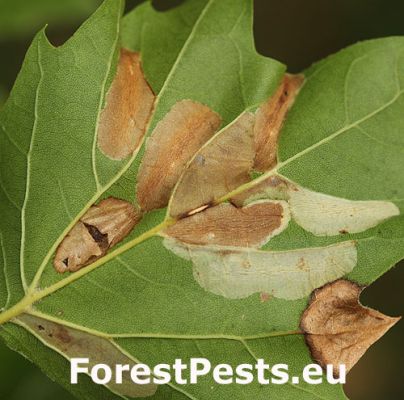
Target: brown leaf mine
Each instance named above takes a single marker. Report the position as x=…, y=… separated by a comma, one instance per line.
x=269, y=120
x=129, y=104
x=74, y=343
x=177, y=137
x=338, y=329
x=112, y=217
x=250, y=226
x=222, y=165
x=100, y=228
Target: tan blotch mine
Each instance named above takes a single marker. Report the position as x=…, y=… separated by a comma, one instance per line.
x=129, y=104
x=250, y=226
x=269, y=120
x=222, y=165
x=236, y=272
x=100, y=228
x=176, y=138
x=73, y=343
x=338, y=329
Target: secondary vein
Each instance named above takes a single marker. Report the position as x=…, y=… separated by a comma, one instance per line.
x=28, y=171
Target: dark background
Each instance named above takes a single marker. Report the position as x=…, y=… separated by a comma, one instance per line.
x=295, y=32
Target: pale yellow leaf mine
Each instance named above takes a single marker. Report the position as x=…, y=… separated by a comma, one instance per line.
x=237, y=272
x=217, y=217
x=318, y=213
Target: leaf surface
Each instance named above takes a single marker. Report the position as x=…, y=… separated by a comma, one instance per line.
x=141, y=296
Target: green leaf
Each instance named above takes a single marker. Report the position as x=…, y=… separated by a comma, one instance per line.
x=141, y=298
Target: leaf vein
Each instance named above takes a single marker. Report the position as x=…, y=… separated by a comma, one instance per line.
x=249, y=350
x=346, y=86
x=8, y=136
x=64, y=201
x=332, y=136
x=386, y=144
x=183, y=50
x=3, y=253
x=8, y=197
x=100, y=104
x=28, y=171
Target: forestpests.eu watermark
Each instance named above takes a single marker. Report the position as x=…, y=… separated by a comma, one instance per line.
x=195, y=369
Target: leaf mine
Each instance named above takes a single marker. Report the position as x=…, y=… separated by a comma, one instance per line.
x=269, y=120
x=100, y=228
x=318, y=213
x=222, y=165
x=338, y=329
x=129, y=104
x=325, y=215
x=176, y=138
x=72, y=343
x=236, y=273
x=227, y=225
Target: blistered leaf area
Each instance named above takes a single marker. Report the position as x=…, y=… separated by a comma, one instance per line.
x=167, y=192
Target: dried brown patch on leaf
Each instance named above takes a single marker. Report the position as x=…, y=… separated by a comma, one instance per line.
x=225, y=224
x=222, y=165
x=112, y=217
x=338, y=329
x=100, y=228
x=177, y=137
x=73, y=343
x=129, y=104
x=269, y=120
x=238, y=272
x=77, y=249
